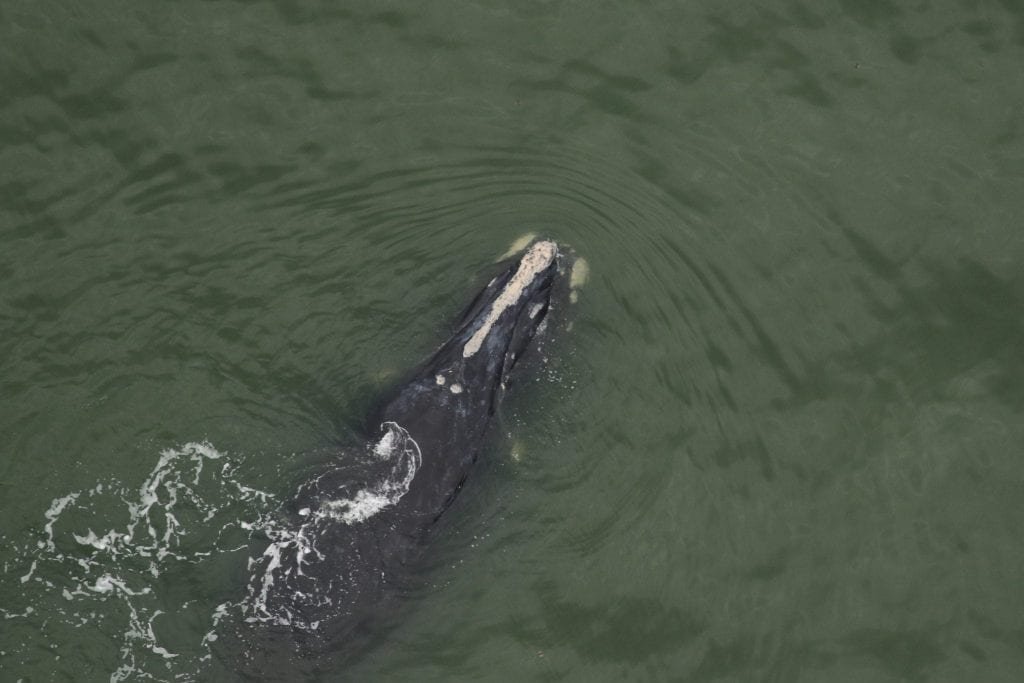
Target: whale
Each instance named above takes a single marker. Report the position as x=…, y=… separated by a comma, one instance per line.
x=351, y=534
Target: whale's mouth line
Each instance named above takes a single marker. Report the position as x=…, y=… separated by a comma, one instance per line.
x=536, y=260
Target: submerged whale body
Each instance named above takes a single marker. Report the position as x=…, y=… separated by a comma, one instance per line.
x=351, y=533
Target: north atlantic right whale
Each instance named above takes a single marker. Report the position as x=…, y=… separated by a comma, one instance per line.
x=353, y=532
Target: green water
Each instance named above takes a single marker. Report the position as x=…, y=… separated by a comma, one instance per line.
x=783, y=440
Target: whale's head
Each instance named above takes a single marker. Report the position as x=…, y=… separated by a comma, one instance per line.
x=499, y=327
x=447, y=403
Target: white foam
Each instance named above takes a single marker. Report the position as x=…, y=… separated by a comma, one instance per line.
x=54, y=511
x=121, y=556
x=386, y=446
x=534, y=262
x=219, y=613
x=105, y=542
x=108, y=583
x=292, y=548
x=364, y=505
x=32, y=569
x=396, y=445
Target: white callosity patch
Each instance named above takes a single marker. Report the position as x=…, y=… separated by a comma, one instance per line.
x=533, y=263
x=456, y=388
x=440, y=380
x=291, y=549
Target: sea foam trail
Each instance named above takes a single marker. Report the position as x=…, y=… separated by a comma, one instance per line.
x=109, y=557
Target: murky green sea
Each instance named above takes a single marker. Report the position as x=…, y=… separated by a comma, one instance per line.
x=783, y=441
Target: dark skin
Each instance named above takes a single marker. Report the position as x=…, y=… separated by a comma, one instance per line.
x=334, y=563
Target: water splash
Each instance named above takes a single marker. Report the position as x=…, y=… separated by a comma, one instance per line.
x=403, y=453
x=115, y=558
x=293, y=547
x=116, y=544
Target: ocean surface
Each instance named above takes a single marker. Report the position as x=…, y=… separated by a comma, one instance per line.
x=783, y=440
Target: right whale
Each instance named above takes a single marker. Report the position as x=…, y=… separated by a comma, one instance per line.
x=356, y=530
